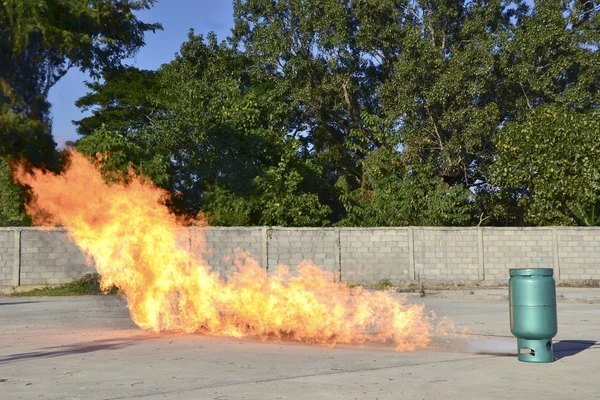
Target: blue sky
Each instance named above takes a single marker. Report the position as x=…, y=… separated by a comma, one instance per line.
x=177, y=17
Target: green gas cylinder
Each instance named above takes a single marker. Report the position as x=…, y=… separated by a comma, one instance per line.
x=532, y=298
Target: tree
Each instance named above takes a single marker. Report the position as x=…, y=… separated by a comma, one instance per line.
x=373, y=112
x=24, y=132
x=400, y=195
x=550, y=56
x=122, y=102
x=426, y=71
x=310, y=49
x=221, y=126
x=551, y=159
x=117, y=154
x=39, y=42
x=226, y=126
x=550, y=79
x=90, y=35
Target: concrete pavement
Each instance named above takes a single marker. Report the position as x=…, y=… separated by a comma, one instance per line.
x=88, y=348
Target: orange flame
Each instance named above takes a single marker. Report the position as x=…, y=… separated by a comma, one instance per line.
x=136, y=245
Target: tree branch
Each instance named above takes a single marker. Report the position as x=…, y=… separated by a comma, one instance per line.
x=435, y=128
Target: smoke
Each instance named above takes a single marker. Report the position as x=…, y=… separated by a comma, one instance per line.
x=500, y=346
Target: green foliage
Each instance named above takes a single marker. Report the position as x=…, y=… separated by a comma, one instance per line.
x=91, y=35
x=39, y=42
x=12, y=212
x=225, y=128
x=217, y=129
x=411, y=199
x=443, y=86
x=24, y=121
x=24, y=133
x=222, y=126
x=117, y=155
x=123, y=102
x=224, y=208
x=417, y=79
x=588, y=217
x=283, y=201
x=384, y=284
x=369, y=113
x=551, y=159
x=550, y=56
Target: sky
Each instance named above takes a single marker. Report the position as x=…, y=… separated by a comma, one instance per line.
x=177, y=17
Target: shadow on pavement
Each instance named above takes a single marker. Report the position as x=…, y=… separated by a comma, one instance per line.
x=563, y=348
x=15, y=303
x=77, y=348
x=568, y=348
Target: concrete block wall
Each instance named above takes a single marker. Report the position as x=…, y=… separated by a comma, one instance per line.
x=446, y=255
x=50, y=258
x=7, y=242
x=371, y=255
x=506, y=248
x=290, y=247
x=221, y=246
x=578, y=252
x=30, y=256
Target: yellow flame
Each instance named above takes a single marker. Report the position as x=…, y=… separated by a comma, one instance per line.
x=139, y=246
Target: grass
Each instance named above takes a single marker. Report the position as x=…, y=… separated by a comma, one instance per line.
x=384, y=284
x=86, y=285
x=588, y=283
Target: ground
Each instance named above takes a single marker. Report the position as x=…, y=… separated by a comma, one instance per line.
x=88, y=348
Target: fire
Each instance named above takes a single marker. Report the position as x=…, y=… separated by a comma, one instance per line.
x=136, y=244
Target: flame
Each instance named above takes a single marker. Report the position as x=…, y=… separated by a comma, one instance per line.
x=139, y=246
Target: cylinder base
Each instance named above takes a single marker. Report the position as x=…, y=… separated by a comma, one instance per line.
x=535, y=350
